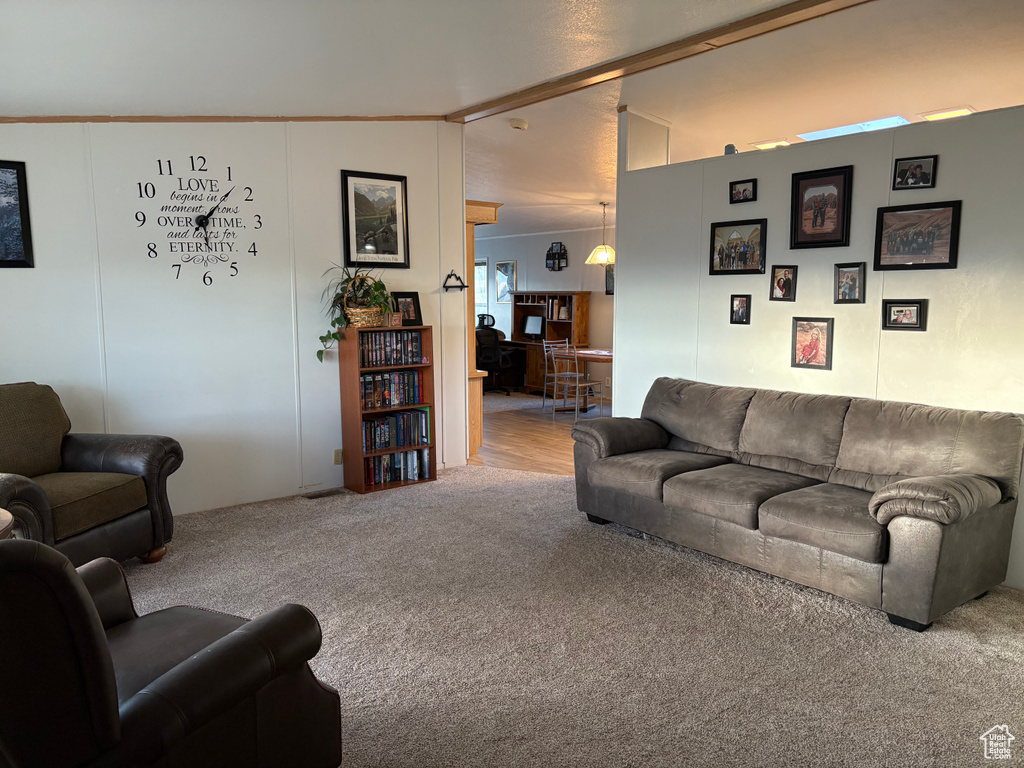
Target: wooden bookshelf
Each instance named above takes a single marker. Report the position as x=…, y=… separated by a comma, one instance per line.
x=574, y=326
x=399, y=447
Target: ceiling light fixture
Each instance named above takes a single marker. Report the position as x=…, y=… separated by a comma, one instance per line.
x=603, y=254
x=945, y=114
x=770, y=144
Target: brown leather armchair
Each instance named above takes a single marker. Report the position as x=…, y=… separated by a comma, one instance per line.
x=85, y=681
x=88, y=495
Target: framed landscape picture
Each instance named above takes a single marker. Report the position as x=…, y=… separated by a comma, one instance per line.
x=924, y=236
x=744, y=191
x=15, y=231
x=849, y=283
x=812, y=343
x=739, y=309
x=915, y=172
x=375, y=220
x=820, y=208
x=505, y=280
x=738, y=247
x=783, y=286
x=905, y=314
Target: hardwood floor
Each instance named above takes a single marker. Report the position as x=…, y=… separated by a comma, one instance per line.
x=527, y=439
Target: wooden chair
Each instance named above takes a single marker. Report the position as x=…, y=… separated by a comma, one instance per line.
x=571, y=376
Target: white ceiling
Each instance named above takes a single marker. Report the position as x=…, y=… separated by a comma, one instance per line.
x=414, y=57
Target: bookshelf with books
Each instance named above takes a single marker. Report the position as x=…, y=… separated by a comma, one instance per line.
x=564, y=315
x=387, y=407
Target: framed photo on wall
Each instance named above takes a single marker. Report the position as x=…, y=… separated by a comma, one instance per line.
x=407, y=306
x=739, y=309
x=905, y=314
x=15, y=229
x=738, y=247
x=375, y=220
x=609, y=279
x=744, y=191
x=925, y=236
x=812, y=343
x=849, y=283
x=505, y=280
x=783, y=287
x=820, y=208
x=915, y=172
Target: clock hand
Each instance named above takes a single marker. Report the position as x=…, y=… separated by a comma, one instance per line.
x=202, y=221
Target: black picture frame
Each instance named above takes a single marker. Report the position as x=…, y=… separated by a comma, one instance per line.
x=15, y=226
x=787, y=290
x=805, y=352
x=849, y=283
x=742, y=191
x=811, y=188
x=364, y=218
x=728, y=234
x=407, y=304
x=918, y=236
x=739, y=309
x=609, y=279
x=904, y=314
x=904, y=175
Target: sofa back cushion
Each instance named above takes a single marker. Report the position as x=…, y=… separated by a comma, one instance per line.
x=884, y=441
x=793, y=432
x=700, y=417
x=32, y=426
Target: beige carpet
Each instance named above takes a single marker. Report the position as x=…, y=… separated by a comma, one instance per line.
x=481, y=621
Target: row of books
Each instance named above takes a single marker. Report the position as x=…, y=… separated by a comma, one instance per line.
x=380, y=348
x=408, y=465
x=400, y=430
x=386, y=390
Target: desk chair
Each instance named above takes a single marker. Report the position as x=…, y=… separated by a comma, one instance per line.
x=572, y=376
x=551, y=372
x=491, y=357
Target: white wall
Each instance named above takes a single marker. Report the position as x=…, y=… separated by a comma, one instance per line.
x=672, y=316
x=528, y=251
x=228, y=369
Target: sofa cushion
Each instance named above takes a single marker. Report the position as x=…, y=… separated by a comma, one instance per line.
x=82, y=500
x=701, y=416
x=793, y=432
x=833, y=517
x=731, y=492
x=643, y=473
x=32, y=425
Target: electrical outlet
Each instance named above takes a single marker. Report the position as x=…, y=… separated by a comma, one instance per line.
x=339, y=456
x=608, y=381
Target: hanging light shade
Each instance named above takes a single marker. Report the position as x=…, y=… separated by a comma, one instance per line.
x=603, y=254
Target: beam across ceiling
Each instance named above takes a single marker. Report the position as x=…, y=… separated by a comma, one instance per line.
x=768, y=21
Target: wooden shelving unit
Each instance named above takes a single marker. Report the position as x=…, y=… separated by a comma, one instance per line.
x=399, y=364
x=548, y=305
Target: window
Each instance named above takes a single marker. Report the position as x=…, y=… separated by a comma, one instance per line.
x=480, y=286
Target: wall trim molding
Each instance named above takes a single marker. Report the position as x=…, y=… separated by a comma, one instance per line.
x=218, y=119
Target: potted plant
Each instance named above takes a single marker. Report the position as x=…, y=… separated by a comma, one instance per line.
x=356, y=298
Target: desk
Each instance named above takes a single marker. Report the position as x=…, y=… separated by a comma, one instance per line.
x=534, y=370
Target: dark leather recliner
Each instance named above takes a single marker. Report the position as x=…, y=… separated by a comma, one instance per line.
x=85, y=681
x=88, y=495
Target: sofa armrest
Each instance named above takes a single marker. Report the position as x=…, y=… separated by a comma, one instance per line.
x=612, y=435
x=217, y=679
x=108, y=588
x=151, y=457
x=29, y=506
x=943, y=498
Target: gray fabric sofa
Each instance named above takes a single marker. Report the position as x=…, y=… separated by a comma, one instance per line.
x=901, y=507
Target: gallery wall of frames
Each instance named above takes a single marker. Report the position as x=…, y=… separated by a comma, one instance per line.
x=849, y=271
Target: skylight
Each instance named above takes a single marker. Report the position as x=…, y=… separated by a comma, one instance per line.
x=844, y=130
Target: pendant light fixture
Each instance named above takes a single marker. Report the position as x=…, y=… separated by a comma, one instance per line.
x=603, y=254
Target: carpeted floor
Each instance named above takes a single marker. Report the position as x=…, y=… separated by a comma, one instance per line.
x=481, y=621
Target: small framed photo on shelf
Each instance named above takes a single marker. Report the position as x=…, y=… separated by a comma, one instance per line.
x=820, y=208
x=15, y=229
x=812, y=343
x=783, y=286
x=904, y=314
x=609, y=279
x=739, y=309
x=738, y=247
x=505, y=280
x=375, y=220
x=407, y=306
x=744, y=191
x=849, y=283
x=915, y=172
x=924, y=236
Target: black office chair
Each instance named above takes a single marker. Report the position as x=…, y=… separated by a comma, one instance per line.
x=491, y=357
x=484, y=321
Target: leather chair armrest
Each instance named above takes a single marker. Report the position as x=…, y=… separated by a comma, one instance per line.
x=108, y=588
x=218, y=678
x=613, y=435
x=944, y=498
x=151, y=457
x=28, y=504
